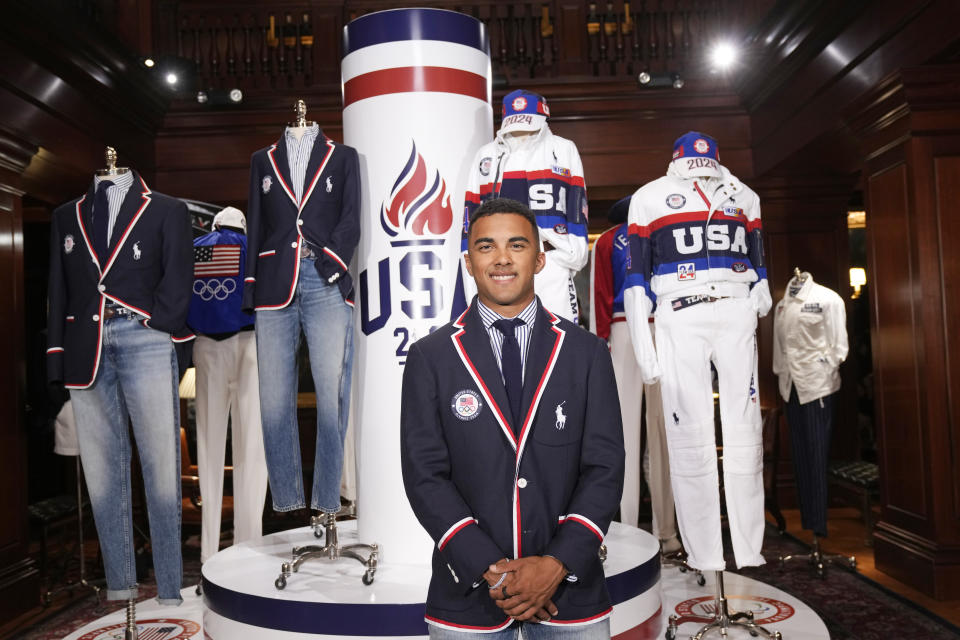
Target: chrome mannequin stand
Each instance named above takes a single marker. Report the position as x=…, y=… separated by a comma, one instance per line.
x=326, y=524
x=818, y=559
x=722, y=619
x=679, y=559
x=130, y=632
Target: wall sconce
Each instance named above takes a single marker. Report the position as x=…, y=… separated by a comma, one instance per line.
x=858, y=278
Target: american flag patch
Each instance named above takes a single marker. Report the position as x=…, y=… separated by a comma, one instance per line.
x=216, y=260
x=157, y=633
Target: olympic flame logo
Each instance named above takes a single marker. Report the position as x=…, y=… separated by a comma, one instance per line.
x=415, y=206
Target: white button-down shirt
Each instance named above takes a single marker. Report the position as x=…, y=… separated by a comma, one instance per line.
x=809, y=340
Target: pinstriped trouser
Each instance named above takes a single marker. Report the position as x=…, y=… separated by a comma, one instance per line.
x=810, y=427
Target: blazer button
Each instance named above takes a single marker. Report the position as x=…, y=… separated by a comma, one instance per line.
x=96, y=318
x=300, y=222
x=522, y=483
x=102, y=287
x=293, y=245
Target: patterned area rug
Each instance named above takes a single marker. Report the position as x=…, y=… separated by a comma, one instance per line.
x=852, y=606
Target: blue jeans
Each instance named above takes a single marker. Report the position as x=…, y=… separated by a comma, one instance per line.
x=137, y=382
x=530, y=631
x=327, y=322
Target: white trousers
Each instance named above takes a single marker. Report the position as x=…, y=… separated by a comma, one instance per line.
x=227, y=386
x=658, y=468
x=688, y=340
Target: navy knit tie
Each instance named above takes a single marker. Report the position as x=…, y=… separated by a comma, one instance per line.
x=101, y=219
x=511, y=365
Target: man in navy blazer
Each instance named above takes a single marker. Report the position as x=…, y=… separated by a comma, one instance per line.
x=121, y=272
x=515, y=477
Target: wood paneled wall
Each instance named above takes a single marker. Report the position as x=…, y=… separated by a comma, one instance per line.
x=910, y=127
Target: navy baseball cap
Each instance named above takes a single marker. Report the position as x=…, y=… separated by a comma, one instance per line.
x=523, y=111
x=696, y=154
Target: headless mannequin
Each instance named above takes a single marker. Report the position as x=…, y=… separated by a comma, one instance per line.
x=300, y=124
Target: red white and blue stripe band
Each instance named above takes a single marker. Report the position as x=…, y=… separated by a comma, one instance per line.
x=585, y=521
x=399, y=25
x=400, y=619
x=458, y=526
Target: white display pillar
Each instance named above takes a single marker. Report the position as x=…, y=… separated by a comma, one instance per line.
x=416, y=94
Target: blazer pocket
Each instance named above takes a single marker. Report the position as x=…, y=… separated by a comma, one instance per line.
x=71, y=318
x=264, y=254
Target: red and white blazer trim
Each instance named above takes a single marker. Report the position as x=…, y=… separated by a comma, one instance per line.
x=585, y=521
x=453, y=626
x=55, y=350
x=582, y=621
x=263, y=254
x=454, y=530
x=333, y=255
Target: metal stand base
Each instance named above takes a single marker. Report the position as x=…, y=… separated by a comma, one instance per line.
x=723, y=619
x=818, y=560
x=130, y=632
x=679, y=559
x=81, y=581
x=326, y=524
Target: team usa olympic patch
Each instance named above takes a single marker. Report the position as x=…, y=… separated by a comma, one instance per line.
x=560, y=228
x=466, y=405
x=485, y=166
x=811, y=307
x=265, y=185
x=733, y=212
x=561, y=171
x=519, y=103
x=687, y=271
x=765, y=610
x=156, y=629
x=68, y=243
x=739, y=267
x=676, y=200
x=701, y=145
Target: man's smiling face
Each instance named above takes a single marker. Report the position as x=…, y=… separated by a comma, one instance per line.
x=503, y=256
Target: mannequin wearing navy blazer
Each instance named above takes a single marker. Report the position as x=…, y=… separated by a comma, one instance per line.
x=149, y=270
x=327, y=219
x=485, y=489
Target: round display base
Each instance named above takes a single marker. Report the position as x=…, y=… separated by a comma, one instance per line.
x=328, y=599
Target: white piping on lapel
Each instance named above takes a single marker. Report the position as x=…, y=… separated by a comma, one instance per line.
x=283, y=183
x=498, y=414
x=316, y=177
x=525, y=431
x=145, y=194
x=86, y=238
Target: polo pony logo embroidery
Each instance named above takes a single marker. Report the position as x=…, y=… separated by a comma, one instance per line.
x=329, y=184
x=561, y=418
x=266, y=184
x=136, y=250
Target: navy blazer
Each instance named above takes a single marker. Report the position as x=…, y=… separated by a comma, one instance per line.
x=149, y=269
x=486, y=489
x=328, y=218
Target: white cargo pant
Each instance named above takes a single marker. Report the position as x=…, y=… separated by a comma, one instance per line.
x=228, y=386
x=688, y=340
x=632, y=393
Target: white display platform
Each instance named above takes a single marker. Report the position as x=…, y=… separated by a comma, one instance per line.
x=328, y=599
x=773, y=609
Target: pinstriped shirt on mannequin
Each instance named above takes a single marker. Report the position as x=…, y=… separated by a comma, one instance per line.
x=115, y=196
x=522, y=332
x=298, y=156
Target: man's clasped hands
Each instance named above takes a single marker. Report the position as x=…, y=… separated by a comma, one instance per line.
x=523, y=588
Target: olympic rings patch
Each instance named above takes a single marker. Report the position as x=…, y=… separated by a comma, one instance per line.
x=213, y=288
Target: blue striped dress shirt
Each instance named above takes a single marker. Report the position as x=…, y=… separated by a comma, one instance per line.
x=522, y=332
x=298, y=156
x=115, y=196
